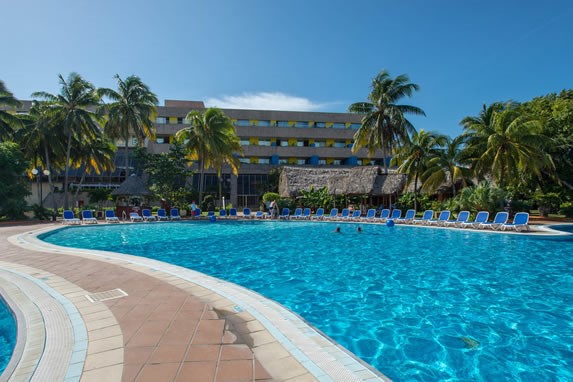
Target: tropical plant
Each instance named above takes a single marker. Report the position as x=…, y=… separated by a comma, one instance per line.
x=73, y=107
x=384, y=125
x=504, y=143
x=13, y=189
x=316, y=198
x=482, y=197
x=413, y=158
x=447, y=166
x=130, y=112
x=210, y=140
x=8, y=122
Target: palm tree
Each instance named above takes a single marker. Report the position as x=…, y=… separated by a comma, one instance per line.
x=413, y=157
x=211, y=140
x=8, y=122
x=384, y=125
x=506, y=144
x=130, y=112
x=74, y=108
x=447, y=166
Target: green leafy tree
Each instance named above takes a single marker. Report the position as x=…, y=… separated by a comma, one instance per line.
x=210, y=140
x=13, y=189
x=316, y=198
x=73, y=108
x=8, y=122
x=384, y=123
x=130, y=112
x=447, y=166
x=412, y=159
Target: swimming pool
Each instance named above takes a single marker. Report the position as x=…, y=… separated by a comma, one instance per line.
x=7, y=335
x=416, y=303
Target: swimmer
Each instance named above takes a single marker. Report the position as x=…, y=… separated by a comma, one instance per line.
x=359, y=229
x=337, y=230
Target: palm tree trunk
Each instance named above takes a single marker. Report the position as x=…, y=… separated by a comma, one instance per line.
x=416, y=191
x=126, y=161
x=68, y=153
x=384, y=159
x=201, y=179
x=80, y=185
x=54, y=206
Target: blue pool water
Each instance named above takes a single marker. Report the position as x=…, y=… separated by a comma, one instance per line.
x=418, y=304
x=7, y=335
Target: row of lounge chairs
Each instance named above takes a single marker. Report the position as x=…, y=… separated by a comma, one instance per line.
x=110, y=217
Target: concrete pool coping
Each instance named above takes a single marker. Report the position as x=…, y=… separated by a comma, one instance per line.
x=280, y=334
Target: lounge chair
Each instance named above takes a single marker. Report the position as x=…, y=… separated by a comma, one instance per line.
x=345, y=214
x=319, y=214
x=162, y=214
x=396, y=214
x=285, y=213
x=223, y=213
x=134, y=217
x=174, y=214
x=333, y=214
x=69, y=218
x=463, y=217
x=410, y=214
x=384, y=215
x=110, y=217
x=297, y=213
x=247, y=213
x=305, y=214
x=88, y=217
x=499, y=220
x=233, y=213
x=481, y=217
x=210, y=213
x=355, y=215
x=370, y=215
x=443, y=217
x=520, y=222
x=147, y=216
x=260, y=215
x=428, y=214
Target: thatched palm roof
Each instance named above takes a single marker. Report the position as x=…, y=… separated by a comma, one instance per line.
x=340, y=181
x=132, y=186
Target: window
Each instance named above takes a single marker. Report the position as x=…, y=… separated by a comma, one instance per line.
x=339, y=144
x=160, y=140
x=264, y=142
x=264, y=160
x=336, y=162
x=264, y=123
x=301, y=161
x=322, y=162
x=282, y=123
x=301, y=143
x=244, y=160
x=284, y=143
x=180, y=120
x=319, y=144
x=301, y=124
x=355, y=125
x=338, y=126
x=161, y=120
x=320, y=124
x=242, y=122
x=245, y=142
x=283, y=161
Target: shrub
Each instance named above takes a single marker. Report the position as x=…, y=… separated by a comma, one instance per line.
x=566, y=209
x=547, y=203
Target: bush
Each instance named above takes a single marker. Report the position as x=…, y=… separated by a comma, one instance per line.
x=270, y=196
x=208, y=203
x=41, y=212
x=566, y=209
x=547, y=203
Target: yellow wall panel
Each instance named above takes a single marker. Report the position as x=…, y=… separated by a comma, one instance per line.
x=172, y=120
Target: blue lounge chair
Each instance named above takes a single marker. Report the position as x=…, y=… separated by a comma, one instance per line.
x=355, y=215
x=88, y=217
x=396, y=214
x=481, y=217
x=345, y=214
x=162, y=214
x=197, y=214
x=223, y=213
x=428, y=214
x=443, y=217
x=285, y=213
x=520, y=222
x=499, y=219
x=69, y=218
x=135, y=217
x=260, y=215
x=370, y=215
x=333, y=214
x=410, y=214
x=319, y=215
x=233, y=213
x=247, y=213
x=463, y=217
x=297, y=213
x=210, y=213
x=174, y=214
x=384, y=215
x=110, y=217
x=306, y=214
x=147, y=216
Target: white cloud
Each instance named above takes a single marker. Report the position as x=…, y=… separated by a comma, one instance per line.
x=264, y=101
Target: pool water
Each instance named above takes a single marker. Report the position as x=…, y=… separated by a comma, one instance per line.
x=7, y=335
x=418, y=304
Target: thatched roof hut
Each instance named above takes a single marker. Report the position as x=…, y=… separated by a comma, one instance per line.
x=132, y=186
x=340, y=181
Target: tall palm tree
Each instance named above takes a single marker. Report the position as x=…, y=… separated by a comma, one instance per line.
x=130, y=113
x=413, y=157
x=449, y=165
x=384, y=125
x=74, y=107
x=506, y=144
x=211, y=140
x=8, y=122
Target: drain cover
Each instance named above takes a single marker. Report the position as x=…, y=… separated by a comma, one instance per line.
x=107, y=295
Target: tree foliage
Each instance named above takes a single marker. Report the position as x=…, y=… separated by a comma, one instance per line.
x=13, y=187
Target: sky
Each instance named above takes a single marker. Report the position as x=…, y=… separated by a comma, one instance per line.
x=300, y=55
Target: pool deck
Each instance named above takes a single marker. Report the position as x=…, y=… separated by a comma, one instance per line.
x=160, y=323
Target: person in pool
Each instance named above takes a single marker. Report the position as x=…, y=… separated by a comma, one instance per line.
x=359, y=229
x=337, y=230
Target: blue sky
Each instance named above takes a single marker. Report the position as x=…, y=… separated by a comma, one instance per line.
x=297, y=54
